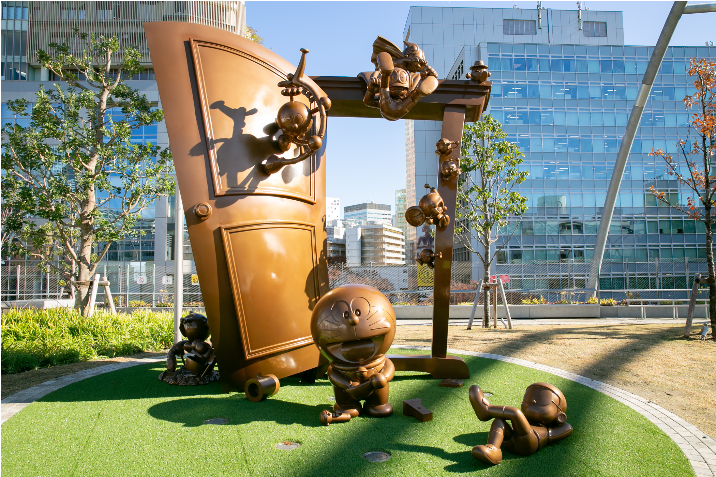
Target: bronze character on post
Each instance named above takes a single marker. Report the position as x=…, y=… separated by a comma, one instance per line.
x=400, y=80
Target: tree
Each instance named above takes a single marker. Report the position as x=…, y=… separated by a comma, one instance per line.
x=74, y=179
x=694, y=165
x=253, y=35
x=485, y=195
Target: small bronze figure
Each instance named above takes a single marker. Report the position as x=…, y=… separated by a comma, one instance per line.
x=353, y=326
x=427, y=257
x=430, y=210
x=294, y=120
x=478, y=72
x=400, y=79
x=198, y=362
x=541, y=421
x=449, y=168
x=328, y=417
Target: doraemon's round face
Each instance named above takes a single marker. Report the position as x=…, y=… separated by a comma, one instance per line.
x=353, y=324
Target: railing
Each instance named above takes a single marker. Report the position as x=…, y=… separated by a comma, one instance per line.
x=147, y=284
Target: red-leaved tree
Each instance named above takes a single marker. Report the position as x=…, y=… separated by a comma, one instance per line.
x=693, y=167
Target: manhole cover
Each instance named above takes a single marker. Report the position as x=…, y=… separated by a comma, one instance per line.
x=376, y=456
x=217, y=421
x=287, y=445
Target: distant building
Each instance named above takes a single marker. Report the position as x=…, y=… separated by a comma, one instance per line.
x=399, y=219
x=335, y=233
x=333, y=209
x=378, y=244
x=368, y=213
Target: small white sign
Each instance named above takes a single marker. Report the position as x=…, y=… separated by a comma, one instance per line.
x=167, y=280
x=141, y=279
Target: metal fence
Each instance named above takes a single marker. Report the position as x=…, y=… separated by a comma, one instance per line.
x=134, y=284
x=147, y=284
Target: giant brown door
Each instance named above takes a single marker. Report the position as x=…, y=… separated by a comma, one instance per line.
x=258, y=240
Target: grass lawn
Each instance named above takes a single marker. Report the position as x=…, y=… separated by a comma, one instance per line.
x=130, y=423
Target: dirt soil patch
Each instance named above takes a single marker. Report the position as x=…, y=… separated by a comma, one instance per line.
x=652, y=361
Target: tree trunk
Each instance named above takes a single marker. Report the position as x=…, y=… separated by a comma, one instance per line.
x=486, y=299
x=712, y=272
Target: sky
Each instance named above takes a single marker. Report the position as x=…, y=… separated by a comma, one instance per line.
x=366, y=157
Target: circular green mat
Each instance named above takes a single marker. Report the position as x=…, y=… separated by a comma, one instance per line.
x=129, y=423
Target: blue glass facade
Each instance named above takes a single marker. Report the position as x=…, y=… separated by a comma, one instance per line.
x=567, y=106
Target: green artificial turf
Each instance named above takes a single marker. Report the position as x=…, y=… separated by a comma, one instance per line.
x=129, y=423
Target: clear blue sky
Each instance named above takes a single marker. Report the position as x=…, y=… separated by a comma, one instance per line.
x=366, y=157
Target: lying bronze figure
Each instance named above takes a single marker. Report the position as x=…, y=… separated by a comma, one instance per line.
x=541, y=421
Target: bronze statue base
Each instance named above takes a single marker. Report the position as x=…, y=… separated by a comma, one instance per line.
x=449, y=367
x=184, y=377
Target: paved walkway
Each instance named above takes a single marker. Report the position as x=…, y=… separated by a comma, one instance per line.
x=560, y=321
x=11, y=405
x=699, y=448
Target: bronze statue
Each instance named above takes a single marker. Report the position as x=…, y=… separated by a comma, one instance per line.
x=353, y=326
x=430, y=210
x=294, y=120
x=225, y=118
x=478, y=72
x=400, y=79
x=196, y=354
x=449, y=168
x=541, y=421
x=427, y=257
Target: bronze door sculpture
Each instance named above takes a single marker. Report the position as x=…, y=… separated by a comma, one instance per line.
x=255, y=203
x=258, y=236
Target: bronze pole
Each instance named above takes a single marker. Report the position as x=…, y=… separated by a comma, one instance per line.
x=453, y=123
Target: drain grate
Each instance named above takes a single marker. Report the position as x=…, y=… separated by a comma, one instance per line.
x=287, y=445
x=376, y=456
x=217, y=421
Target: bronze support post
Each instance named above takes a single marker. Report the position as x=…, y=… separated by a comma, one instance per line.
x=440, y=365
x=453, y=124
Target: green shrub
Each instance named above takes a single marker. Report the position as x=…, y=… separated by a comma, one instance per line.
x=608, y=302
x=34, y=339
x=137, y=304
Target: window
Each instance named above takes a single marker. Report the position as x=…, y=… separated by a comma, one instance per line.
x=520, y=27
x=595, y=29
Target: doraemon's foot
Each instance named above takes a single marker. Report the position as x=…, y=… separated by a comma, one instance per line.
x=354, y=411
x=488, y=454
x=382, y=410
x=479, y=403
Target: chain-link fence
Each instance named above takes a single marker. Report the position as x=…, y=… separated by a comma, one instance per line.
x=138, y=284
x=134, y=284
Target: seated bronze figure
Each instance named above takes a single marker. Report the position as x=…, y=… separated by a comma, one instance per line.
x=196, y=354
x=541, y=421
x=353, y=326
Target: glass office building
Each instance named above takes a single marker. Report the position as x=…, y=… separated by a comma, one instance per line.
x=563, y=86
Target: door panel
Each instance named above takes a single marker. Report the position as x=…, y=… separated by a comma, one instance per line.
x=272, y=276
x=235, y=124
